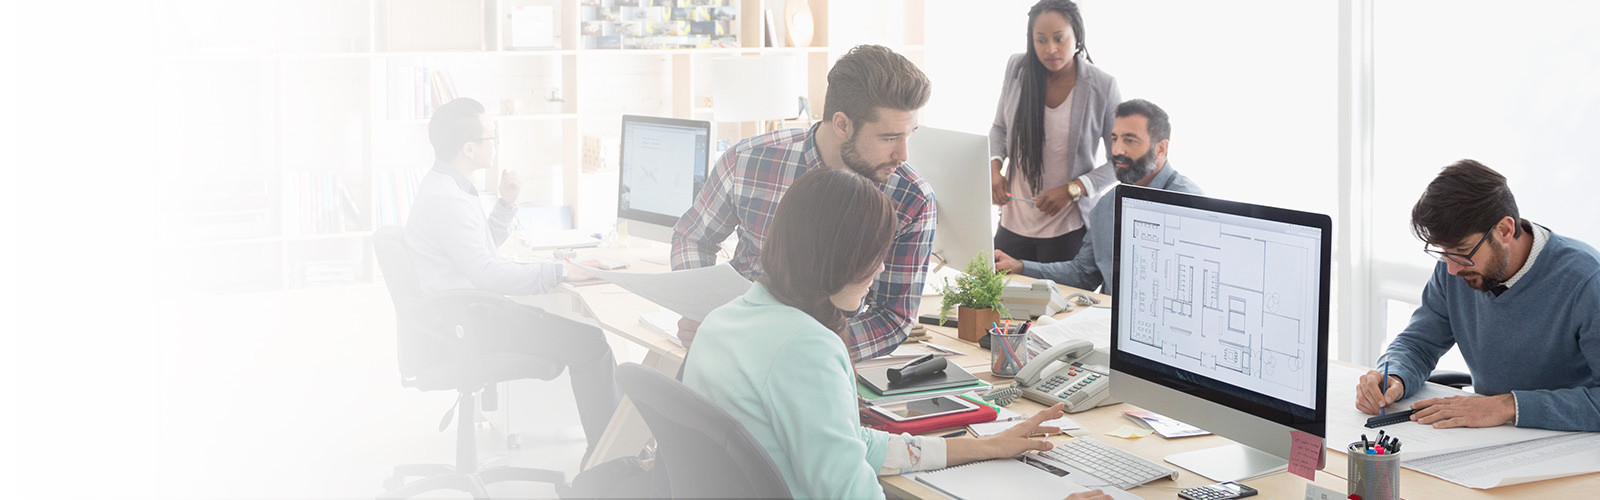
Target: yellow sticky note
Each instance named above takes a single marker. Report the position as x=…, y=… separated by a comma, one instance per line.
x=1130, y=432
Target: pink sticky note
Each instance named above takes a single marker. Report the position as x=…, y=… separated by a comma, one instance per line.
x=1305, y=454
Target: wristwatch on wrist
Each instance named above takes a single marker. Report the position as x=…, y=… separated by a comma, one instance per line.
x=1075, y=189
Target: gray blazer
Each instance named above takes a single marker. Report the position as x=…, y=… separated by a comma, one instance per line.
x=1094, y=109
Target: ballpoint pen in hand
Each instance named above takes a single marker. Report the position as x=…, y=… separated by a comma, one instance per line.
x=1013, y=198
x=1384, y=388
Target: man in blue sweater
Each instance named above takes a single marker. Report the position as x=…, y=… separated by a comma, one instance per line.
x=1139, y=141
x=1523, y=304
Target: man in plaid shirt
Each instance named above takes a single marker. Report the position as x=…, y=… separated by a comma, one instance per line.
x=870, y=111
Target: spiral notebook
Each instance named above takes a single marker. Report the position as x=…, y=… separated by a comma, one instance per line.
x=1017, y=478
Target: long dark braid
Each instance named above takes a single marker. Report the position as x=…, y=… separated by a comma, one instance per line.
x=1027, y=127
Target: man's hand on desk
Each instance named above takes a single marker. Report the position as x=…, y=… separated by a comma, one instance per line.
x=1370, y=396
x=686, y=329
x=1003, y=262
x=1089, y=495
x=1466, y=411
x=575, y=273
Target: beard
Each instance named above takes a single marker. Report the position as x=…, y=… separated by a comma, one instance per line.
x=1137, y=169
x=858, y=164
x=1494, y=273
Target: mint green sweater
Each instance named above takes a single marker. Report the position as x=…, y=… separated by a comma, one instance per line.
x=787, y=378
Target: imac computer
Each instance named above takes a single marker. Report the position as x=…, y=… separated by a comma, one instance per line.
x=662, y=167
x=1220, y=320
x=956, y=164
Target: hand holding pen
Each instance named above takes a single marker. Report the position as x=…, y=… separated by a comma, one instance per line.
x=1375, y=391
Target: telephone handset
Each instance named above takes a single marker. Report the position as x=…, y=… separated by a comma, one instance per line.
x=1079, y=376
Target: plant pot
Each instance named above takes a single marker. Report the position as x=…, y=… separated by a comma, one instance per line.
x=973, y=323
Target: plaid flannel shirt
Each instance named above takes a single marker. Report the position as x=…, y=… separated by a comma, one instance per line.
x=741, y=193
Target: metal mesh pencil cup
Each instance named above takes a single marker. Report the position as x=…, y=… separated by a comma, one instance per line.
x=1373, y=477
x=1007, y=353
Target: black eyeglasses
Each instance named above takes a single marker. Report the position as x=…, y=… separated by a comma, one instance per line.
x=490, y=138
x=1464, y=259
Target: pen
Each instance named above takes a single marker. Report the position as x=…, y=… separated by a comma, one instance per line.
x=1023, y=199
x=1364, y=444
x=1385, y=389
x=959, y=433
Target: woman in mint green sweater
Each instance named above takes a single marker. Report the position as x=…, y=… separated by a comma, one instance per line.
x=774, y=358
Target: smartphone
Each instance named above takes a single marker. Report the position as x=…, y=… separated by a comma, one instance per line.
x=924, y=408
x=1219, y=491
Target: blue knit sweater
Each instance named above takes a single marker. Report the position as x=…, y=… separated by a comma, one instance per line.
x=1539, y=340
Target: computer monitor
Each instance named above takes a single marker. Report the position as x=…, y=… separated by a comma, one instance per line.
x=956, y=164
x=662, y=167
x=1220, y=320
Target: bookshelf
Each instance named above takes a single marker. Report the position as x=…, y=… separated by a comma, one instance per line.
x=294, y=128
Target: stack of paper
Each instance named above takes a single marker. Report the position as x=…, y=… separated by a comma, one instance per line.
x=1093, y=324
x=1457, y=454
x=905, y=353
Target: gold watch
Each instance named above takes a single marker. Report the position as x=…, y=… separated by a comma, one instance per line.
x=1075, y=189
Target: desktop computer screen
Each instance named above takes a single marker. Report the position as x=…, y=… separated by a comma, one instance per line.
x=956, y=165
x=1220, y=317
x=663, y=165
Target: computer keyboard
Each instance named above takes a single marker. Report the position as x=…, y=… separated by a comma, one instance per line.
x=1108, y=465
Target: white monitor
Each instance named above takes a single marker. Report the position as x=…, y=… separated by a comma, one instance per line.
x=1220, y=320
x=956, y=164
x=662, y=167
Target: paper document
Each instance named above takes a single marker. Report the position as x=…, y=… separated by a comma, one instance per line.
x=1130, y=432
x=905, y=353
x=1346, y=424
x=991, y=428
x=1093, y=325
x=692, y=293
x=1555, y=456
x=1008, y=479
x=664, y=323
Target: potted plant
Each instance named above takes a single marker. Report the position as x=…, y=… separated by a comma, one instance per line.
x=977, y=295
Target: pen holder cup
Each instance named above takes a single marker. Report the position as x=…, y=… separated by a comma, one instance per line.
x=1373, y=477
x=1007, y=353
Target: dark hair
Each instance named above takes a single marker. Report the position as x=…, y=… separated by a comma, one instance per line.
x=869, y=77
x=1027, y=127
x=453, y=124
x=1158, y=126
x=832, y=228
x=1467, y=197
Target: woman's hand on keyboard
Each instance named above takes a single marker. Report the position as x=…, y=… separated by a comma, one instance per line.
x=1007, y=443
x=1014, y=441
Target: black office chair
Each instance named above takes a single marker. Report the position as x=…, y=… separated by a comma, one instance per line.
x=1450, y=378
x=437, y=351
x=707, y=454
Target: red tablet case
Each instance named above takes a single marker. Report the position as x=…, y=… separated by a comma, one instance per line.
x=873, y=419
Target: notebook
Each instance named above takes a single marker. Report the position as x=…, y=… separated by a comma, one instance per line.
x=1008, y=479
x=877, y=379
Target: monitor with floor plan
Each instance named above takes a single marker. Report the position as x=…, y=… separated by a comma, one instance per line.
x=1220, y=320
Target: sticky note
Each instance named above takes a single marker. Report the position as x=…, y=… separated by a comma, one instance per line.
x=1130, y=432
x=1305, y=454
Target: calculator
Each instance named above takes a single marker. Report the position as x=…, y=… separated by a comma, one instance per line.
x=1219, y=491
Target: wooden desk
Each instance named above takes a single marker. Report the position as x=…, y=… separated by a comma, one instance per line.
x=1101, y=420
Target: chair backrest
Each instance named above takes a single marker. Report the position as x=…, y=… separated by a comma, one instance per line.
x=400, y=276
x=394, y=259
x=706, y=452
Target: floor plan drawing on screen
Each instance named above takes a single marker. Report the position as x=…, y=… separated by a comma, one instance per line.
x=1234, y=302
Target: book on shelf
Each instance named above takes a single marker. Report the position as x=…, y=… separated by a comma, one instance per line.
x=393, y=192
x=415, y=91
x=318, y=203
